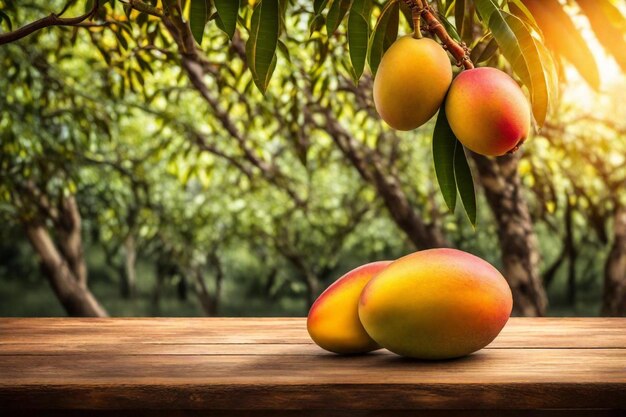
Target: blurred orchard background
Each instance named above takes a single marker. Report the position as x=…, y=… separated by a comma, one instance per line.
x=142, y=175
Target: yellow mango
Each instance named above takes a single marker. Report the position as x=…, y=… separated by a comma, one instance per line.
x=411, y=82
x=333, y=320
x=436, y=304
x=487, y=111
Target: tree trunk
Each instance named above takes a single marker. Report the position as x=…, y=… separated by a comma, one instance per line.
x=520, y=256
x=312, y=285
x=571, y=255
x=68, y=228
x=614, y=298
x=71, y=290
x=219, y=278
x=204, y=296
x=128, y=277
x=161, y=271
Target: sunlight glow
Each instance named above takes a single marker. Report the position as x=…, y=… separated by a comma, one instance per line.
x=577, y=91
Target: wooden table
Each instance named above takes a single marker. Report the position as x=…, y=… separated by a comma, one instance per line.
x=270, y=367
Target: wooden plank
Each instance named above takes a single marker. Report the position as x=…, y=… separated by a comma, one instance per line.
x=324, y=397
x=519, y=333
x=146, y=349
x=270, y=364
x=321, y=413
x=161, y=330
x=497, y=378
x=487, y=366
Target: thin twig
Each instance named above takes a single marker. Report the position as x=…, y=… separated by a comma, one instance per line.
x=51, y=20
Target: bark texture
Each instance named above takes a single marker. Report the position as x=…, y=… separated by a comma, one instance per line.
x=63, y=263
x=129, y=274
x=518, y=243
x=614, y=298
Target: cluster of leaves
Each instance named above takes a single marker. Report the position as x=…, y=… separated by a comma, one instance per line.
x=521, y=31
x=281, y=186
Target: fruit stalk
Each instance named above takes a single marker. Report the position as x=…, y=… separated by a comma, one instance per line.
x=434, y=26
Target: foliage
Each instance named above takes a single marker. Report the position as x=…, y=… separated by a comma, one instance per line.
x=250, y=152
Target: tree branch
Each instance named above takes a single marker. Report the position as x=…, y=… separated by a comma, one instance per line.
x=434, y=26
x=144, y=7
x=51, y=20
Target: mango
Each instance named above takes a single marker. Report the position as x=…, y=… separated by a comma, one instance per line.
x=411, y=82
x=333, y=320
x=436, y=304
x=488, y=111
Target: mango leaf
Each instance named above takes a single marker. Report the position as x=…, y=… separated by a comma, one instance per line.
x=407, y=13
x=318, y=6
x=6, y=18
x=484, y=50
x=563, y=38
x=449, y=27
x=198, y=16
x=609, y=26
x=444, y=144
x=336, y=13
x=227, y=12
x=465, y=182
x=463, y=19
x=358, y=34
x=517, y=46
x=530, y=54
x=284, y=50
x=316, y=24
x=318, y=20
x=261, y=45
x=282, y=7
x=459, y=15
x=550, y=70
x=451, y=167
x=517, y=8
x=384, y=34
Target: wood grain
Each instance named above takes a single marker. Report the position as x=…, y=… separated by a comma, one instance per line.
x=271, y=364
x=519, y=332
x=324, y=413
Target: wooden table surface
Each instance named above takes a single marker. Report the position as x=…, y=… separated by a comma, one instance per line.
x=186, y=366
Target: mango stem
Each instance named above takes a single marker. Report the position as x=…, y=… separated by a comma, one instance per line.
x=417, y=20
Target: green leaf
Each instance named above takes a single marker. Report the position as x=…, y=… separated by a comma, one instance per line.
x=198, y=16
x=517, y=8
x=316, y=24
x=336, y=13
x=282, y=8
x=484, y=50
x=284, y=50
x=563, y=38
x=449, y=27
x=384, y=34
x=6, y=18
x=444, y=144
x=486, y=8
x=121, y=39
x=408, y=15
x=318, y=6
x=465, y=182
x=261, y=45
x=459, y=15
x=537, y=81
x=550, y=70
x=227, y=12
x=358, y=34
x=518, y=47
